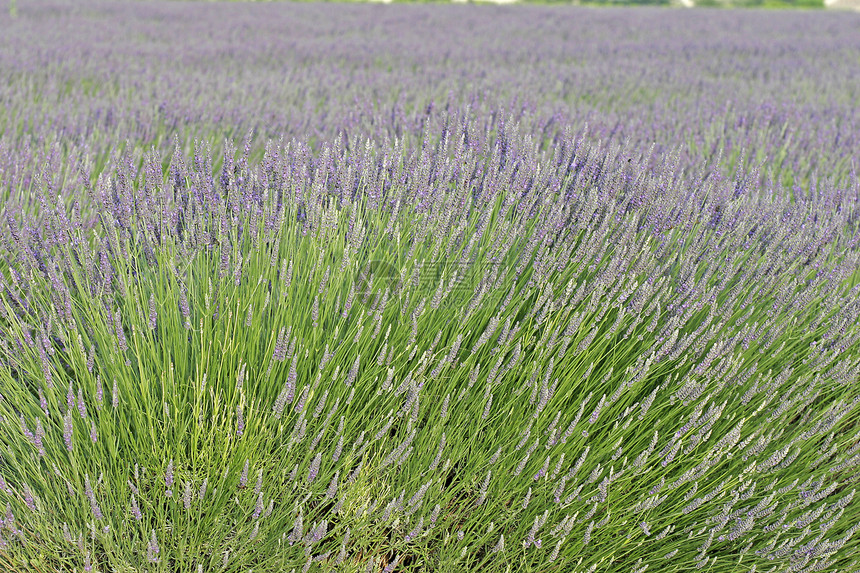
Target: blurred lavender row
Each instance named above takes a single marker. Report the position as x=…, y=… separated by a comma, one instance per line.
x=725, y=90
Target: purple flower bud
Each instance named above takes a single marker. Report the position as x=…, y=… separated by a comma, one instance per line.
x=489, y=403
x=280, y=404
x=168, y=475
x=353, y=372
x=120, y=333
x=183, y=302
x=338, y=449
x=314, y=468
x=43, y=403
x=240, y=421
x=300, y=404
x=415, y=532
x=153, y=315
x=259, y=487
x=135, y=510
x=4, y=486
x=67, y=430
x=152, y=549
x=482, y=496
x=70, y=398
x=331, y=492
x=298, y=528
x=243, y=479
x=439, y=451
x=596, y=413
x=280, y=353
x=37, y=438
x=186, y=496
x=97, y=512
x=28, y=498
x=258, y=509
x=315, y=311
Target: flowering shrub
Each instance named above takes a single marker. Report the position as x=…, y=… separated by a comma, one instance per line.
x=444, y=340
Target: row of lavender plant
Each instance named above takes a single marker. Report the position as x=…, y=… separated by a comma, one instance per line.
x=729, y=92
x=429, y=361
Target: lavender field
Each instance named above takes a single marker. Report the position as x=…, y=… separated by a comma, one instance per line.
x=426, y=288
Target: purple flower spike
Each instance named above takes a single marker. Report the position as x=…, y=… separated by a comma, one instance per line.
x=135, y=510
x=97, y=512
x=168, y=479
x=314, y=468
x=28, y=498
x=243, y=479
x=240, y=421
x=152, y=549
x=67, y=430
x=82, y=406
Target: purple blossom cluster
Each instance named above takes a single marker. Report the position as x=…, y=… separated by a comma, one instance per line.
x=730, y=89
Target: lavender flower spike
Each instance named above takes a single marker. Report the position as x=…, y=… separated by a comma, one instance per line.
x=94, y=506
x=168, y=479
x=314, y=468
x=152, y=549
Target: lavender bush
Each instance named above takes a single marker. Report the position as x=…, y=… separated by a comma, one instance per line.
x=286, y=291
